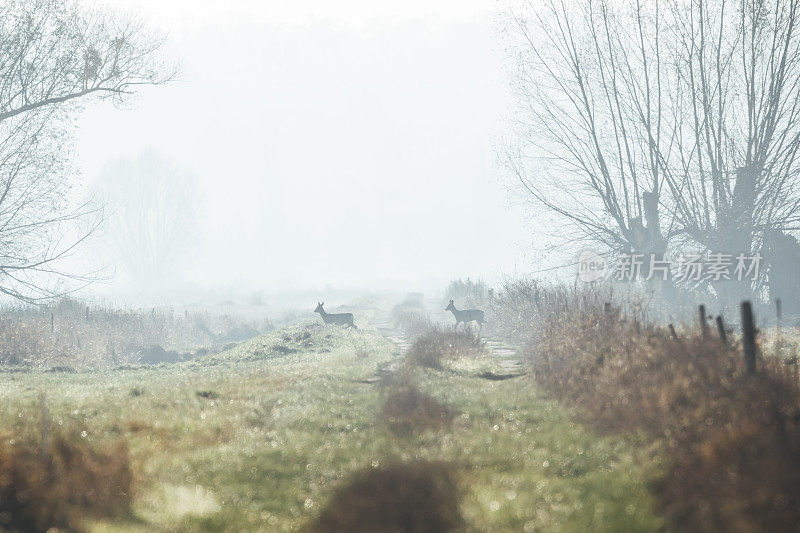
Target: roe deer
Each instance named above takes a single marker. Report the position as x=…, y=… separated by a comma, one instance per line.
x=342, y=319
x=466, y=315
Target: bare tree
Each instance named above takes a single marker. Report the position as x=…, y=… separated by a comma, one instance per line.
x=55, y=56
x=152, y=216
x=656, y=127
x=57, y=51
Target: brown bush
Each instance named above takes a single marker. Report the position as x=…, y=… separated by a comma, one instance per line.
x=413, y=497
x=407, y=410
x=732, y=439
x=743, y=474
x=57, y=485
x=438, y=343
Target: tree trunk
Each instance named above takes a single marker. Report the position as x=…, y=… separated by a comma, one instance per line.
x=782, y=261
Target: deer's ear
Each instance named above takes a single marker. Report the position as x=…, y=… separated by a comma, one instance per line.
x=323, y=303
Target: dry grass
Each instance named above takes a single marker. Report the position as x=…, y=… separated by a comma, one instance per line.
x=742, y=473
x=516, y=309
x=473, y=293
x=287, y=431
x=410, y=309
x=57, y=485
x=733, y=439
x=413, y=497
x=415, y=325
x=437, y=344
x=70, y=334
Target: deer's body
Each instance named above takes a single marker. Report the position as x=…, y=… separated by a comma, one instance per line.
x=341, y=319
x=466, y=315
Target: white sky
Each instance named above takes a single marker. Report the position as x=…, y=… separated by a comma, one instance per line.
x=350, y=144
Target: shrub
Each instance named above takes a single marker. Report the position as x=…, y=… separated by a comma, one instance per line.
x=742, y=474
x=413, y=305
x=419, y=496
x=472, y=293
x=407, y=410
x=523, y=306
x=516, y=308
x=437, y=343
x=414, y=325
x=56, y=485
x=732, y=439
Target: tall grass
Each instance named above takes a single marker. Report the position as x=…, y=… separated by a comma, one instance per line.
x=732, y=438
x=410, y=309
x=471, y=292
x=72, y=334
x=523, y=306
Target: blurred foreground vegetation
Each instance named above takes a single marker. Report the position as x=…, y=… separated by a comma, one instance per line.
x=262, y=436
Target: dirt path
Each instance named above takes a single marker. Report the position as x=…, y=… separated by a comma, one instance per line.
x=507, y=355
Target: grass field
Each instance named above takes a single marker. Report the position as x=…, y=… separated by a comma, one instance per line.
x=257, y=438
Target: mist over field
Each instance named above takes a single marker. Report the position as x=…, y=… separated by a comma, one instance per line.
x=346, y=146
x=414, y=267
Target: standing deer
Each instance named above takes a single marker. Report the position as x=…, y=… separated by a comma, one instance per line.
x=466, y=315
x=342, y=319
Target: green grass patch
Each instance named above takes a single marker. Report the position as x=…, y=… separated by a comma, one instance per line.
x=261, y=436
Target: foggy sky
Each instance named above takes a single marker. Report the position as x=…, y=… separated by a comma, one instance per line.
x=350, y=145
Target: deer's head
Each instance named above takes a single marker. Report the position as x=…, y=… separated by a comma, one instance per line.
x=319, y=307
x=450, y=306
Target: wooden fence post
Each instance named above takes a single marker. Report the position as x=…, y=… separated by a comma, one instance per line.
x=749, y=337
x=723, y=335
x=701, y=315
x=779, y=332
x=673, y=332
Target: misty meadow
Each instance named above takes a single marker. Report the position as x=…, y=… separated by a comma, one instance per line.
x=399, y=267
